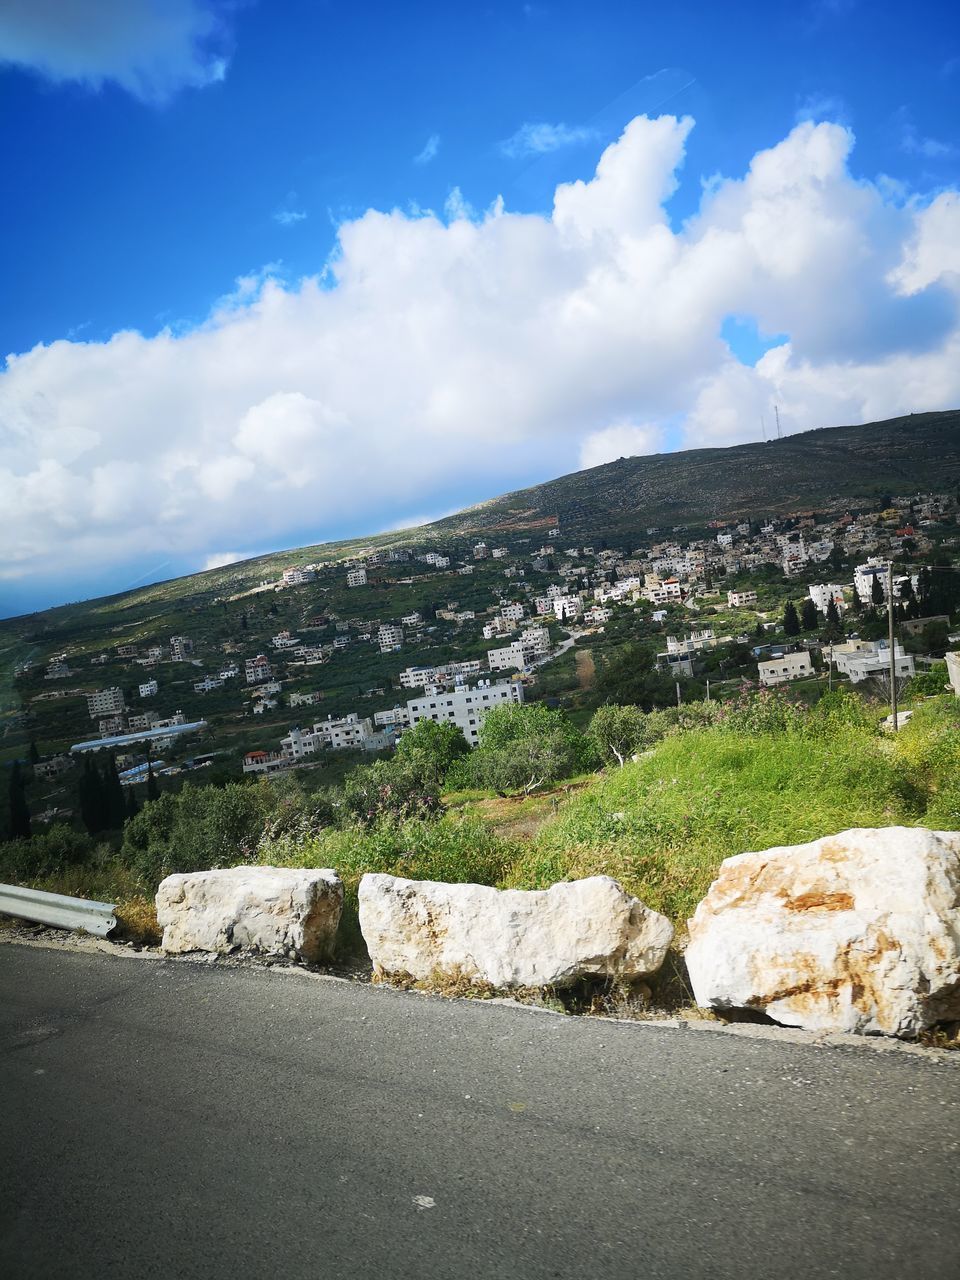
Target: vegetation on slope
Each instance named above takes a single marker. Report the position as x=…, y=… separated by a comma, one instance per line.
x=719, y=779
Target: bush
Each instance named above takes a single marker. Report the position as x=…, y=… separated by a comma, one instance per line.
x=525, y=747
x=48, y=853
x=198, y=828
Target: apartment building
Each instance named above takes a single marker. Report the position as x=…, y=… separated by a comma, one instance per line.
x=105, y=702
x=357, y=577
x=148, y=689
x=741, y=599
x=180, y=648
x=257, y=669
x=464, y=706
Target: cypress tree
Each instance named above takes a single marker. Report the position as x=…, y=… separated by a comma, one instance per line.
x=791, y=622
x=808, y=615
x=834, y=627
x=19, y=809
x=153, y=790
x=34, y=753
x=131, y=803
x=115, y=806
x=876, y=591
x=92, y=799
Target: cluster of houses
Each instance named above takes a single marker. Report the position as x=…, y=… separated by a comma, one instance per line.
x=461, y=704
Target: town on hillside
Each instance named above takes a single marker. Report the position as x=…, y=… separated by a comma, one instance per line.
x=339, y=658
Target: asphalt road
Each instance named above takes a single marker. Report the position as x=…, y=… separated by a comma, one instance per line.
x=177, y=1120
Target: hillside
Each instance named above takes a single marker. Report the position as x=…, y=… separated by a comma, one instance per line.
x=619, y=500
x=918, y=452
x=427, y=599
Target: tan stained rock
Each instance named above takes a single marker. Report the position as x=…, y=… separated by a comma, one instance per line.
x=510, y=937
x=858, y=931
x=268, y=910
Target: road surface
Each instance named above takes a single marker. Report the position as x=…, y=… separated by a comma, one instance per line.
x=182, y=1120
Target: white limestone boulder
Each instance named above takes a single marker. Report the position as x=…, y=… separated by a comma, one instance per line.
x=854, y=932
x=510, y=937
x=269, y=910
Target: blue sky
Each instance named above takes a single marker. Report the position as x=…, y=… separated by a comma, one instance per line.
x=158, y=151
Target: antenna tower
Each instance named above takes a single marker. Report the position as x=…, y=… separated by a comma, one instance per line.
x=776, y=410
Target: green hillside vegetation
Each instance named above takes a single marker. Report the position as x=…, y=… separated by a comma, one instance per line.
x=709, y=781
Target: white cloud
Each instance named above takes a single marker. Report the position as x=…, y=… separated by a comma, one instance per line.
x=622, y=440
x=220, y=559
x=434, y=358
x=915, y=143
x=538, y=139
x=288, y=217
x=151, y=48
x=430, y=149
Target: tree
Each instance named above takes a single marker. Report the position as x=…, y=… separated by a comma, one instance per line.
x=91, y=798
x=523, y=747
x=808, y=615
x=833, y=631
x=876, y=591
x=20, y=828
x=131, y=804
x=617, y=731
x=115, y=805
x=431, y=747
x=791, y=621
x=153, y=790
x=34, y=754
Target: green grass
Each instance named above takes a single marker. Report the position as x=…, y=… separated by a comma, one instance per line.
x=661, y=825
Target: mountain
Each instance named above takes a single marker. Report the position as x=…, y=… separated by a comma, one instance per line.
x=617, y=502
x=622, y=498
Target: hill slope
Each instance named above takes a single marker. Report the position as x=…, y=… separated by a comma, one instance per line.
x=617, y=501
x=918, y=452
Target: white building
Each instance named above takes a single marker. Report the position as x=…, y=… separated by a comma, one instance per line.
x=791, y=666
x=822, y=593
x=357, y=577
x=264, y=762
x=390, y=639
x=464, y=706
x=298, y=576
x=180, y=648
x=257, y=669
x=206, y=684
x=105, y=702
x=662, y=590
x=861, y=659
x=398, y=717
x=566, y=607
x=513, y=612
x=350, y=732
x=284, y=640
x=953, y=671
x=148, y=689
x=533, y=644
x=305, y=699
x=741, y=599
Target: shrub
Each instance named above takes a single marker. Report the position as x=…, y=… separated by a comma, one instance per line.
x=47, y=853
x=524, y=747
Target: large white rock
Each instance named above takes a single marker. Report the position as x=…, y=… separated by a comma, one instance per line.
x=272, y=910
x=854, y=932
x=510, y=937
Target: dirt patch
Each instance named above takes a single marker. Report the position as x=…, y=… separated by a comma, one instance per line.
x=586, y=669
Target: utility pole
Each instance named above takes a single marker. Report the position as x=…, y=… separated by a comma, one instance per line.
x=893, y=655
x=678, y=693
x=708, y=690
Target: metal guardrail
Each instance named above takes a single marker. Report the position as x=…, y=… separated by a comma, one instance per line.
x=58, y=910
